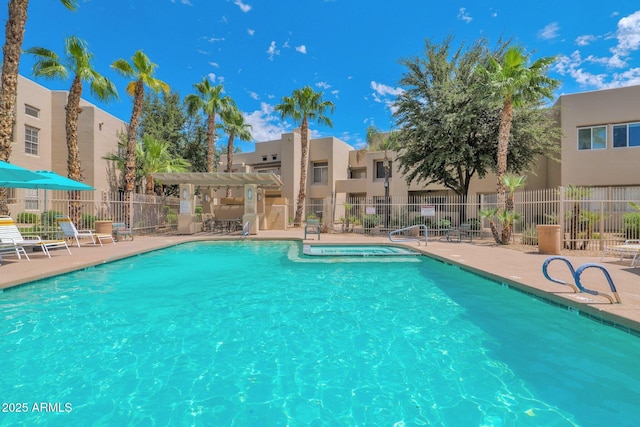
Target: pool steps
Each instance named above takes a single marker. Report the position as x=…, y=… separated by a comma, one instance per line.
x=576, y=273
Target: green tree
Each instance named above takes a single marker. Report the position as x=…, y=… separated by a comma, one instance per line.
x=14, y=36
x=515, y=84
x=303, y=105
x=447, y=126
x=210, y=100
x=77, y=61
x=378, y=141
x=155, y=157
x=141, y=70
x=234, y=126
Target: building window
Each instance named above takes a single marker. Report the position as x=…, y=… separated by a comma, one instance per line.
x=321, y=173
x=359, y=173
x=380, y=169
x=592, y=138
x=627, y=135
x=31, y=140
x=31, y=111
x=31, y=200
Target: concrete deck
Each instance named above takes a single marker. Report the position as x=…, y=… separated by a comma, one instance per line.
x=515, y=268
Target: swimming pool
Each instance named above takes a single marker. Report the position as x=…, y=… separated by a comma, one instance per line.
x=237, y=333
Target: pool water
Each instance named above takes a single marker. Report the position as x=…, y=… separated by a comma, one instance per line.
x=239, y=334
x=357, y=250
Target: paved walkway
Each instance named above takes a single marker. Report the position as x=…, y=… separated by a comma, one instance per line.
x=515, y=268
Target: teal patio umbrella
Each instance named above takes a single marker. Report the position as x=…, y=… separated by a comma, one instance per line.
x=12, y=176
x=48, y=180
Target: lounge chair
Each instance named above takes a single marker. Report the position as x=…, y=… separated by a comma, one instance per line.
x=70, y=231
x=630, y=247
x=10, y=235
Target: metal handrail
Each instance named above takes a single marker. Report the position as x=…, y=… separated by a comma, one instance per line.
x=245, y=228
x=410, y=239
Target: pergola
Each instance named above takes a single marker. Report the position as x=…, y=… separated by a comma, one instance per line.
x=189, y=180
x=219, y=179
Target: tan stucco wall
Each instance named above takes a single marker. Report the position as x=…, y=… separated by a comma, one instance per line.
x=606, y=167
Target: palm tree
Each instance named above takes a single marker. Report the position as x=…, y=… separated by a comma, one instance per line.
x=304, y=104
x=234, y=125
x=155, y=157
x=76, y=61
x=514, y=84
x=141, y=71
x=210, y=100
x=377, y=141
x=14, y=36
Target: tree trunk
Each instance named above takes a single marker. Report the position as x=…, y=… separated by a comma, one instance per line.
x=506, y=116
x=74, y=168
x=229, y=159
x=211, y=139
x=132, y=139
x=304, y=156
x=14, y=35
x=149, y=186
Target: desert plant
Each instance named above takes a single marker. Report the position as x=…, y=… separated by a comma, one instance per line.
x=27, y=217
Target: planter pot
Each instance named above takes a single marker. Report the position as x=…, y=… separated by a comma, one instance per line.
x=104, y=227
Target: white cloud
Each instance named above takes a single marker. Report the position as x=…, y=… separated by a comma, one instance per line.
x=464, y=16
x=384, y=90
x=251, y=31
x=214, y=39
x=550, y=31
x=212, y=77
x=254, y=95
x=272, y=51
x=187, y=2
x=628, y=34
x=323, y=85
x=243, y=7
x=302, y=49
x=335, y=93
x=214, y=64
x=586, y=40
x=265, y=125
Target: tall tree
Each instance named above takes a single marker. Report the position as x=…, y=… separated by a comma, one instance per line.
x=514, y=84
x=77, y=61
x=303, y=105
x=234, y=126
x=447, y=126
x=378, y=141
x=210, y=100
x=141, y=70
x=14, y=36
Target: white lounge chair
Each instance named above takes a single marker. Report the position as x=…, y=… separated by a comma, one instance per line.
x=69, y=229
x=10, y=235
x=630, y=247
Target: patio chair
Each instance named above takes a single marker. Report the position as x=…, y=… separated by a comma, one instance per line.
x=70, y=231
x=630, y=247
x=11, y=235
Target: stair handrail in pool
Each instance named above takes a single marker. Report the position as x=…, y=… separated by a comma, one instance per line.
x=410, y=239
x=245, y=228
x=578, y=287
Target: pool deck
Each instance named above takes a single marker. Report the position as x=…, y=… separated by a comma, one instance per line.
x=522, y=270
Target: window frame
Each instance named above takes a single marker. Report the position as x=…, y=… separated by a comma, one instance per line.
x=35, y=110
x=31, y=140
x=628, y=134
x=378, y=166
x=591, y=137
x=323, y=169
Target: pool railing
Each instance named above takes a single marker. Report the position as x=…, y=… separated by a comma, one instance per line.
x=410, y=239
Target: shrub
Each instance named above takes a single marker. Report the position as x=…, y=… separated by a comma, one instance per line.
x=444, y=223
x=371, y=220
x=27, y=217
x=474, y=223
x=199, y=210
x=631, y=228
x=49, y=217
x=88, y=221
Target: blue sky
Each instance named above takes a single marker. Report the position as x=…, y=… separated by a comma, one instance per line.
x=261, y=50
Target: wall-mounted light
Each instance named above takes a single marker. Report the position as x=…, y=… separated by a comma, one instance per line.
x=100, y=125
x=249, y=194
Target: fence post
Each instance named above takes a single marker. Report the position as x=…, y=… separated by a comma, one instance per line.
x=561, y=214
